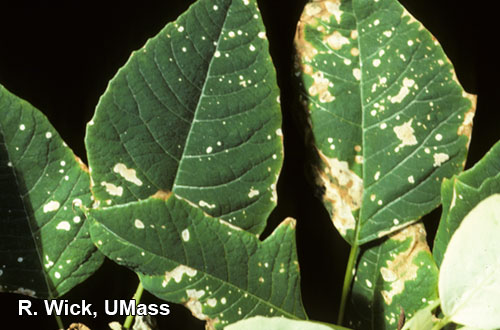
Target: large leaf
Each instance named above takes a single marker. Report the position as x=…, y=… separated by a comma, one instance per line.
x=462, y=193
x=397, y=275
x=469, y=285
x=280, y=323
x=196, y=112
x=45, y=248
x=388, y=119
x=218, y=271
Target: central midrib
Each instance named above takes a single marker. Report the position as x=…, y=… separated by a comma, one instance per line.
x=196, y=111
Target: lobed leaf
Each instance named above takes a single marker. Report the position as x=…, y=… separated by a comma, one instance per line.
x=195, y=112
x=462, y=193
x=387, y=118
x=218, y=271
x=394, y=279
x=468, y=278
x=45, y=247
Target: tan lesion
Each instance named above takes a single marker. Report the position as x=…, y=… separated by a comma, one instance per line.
x=466, y=127
x=161, y=194
x=82, y=165
x=402, y=268
x=343, y=191
x=315, y=11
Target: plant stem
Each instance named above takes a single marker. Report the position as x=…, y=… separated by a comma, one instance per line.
x=349, y=274
x=137, y=298
x=59, y=321
x=443, y=322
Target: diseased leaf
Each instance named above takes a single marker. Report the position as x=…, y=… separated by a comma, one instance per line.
x=469, y=284
x=218, y=271
x=279, y=323
x=387, y=117
x=462, y=193
x=397, y=274
x=45, y=247
x=195, y=112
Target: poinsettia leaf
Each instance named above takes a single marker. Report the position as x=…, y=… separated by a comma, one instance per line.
x=385, y=114
x=45, y=246
x=218, y=271
x=196, y=112
x=394, y=279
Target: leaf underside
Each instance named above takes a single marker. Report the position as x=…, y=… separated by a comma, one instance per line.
x=218, y=271
x=386, y=117
x=279, y=323
x=470, y=269
x=45, y=247
x=195, y=112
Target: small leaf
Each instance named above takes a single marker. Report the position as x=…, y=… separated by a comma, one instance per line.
x=195, y=112
x=387, y=117
x=45, y=246
x=218, y=271
x=462, y=193
x=469, y=284
x=280, y=323
x=396, y=274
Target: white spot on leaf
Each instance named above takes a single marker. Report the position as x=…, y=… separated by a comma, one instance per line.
x=253, y=192
x=404, y=91
x=138, y=224
x=440, y=158
x=112, y=189
x=177, y=273
x=128, y=174
x=205, y=204
x=185, y=235
x=51, y=206
x=404, y=133
x=64, y=225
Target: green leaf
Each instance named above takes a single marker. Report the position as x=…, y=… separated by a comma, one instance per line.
x=196, y=112
x=396, y=274
x=45, y=246
x=218, y=271
x=462, y=193
x=387, y=117
x=280, y=323
x=468, y=280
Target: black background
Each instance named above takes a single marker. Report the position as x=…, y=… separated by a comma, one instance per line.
x=60, y=56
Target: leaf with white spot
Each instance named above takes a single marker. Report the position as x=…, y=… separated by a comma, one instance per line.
x=218, y=271
x=280, y=323
x=462, y=193
x=469, y=286
x=45, y=247
x=195, y=112
x=387, y=119
x=397, y=274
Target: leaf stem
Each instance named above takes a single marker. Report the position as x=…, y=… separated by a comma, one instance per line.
x=349, y=274
x=59, y=321
x=137, y=298
x=442, y=323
